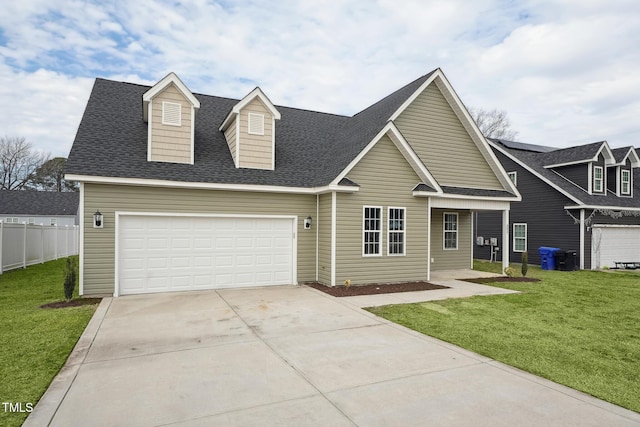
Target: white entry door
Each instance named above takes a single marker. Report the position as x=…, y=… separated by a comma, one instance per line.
x=179, y=253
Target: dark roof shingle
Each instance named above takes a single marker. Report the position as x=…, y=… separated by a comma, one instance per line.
x=38, y=203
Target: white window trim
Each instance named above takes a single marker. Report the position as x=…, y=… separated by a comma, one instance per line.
x=403, y=231
x=526, y=236
x=261, y=118
x=31, y=221
x=444, y=230
x=53, y=221
x=380, y=242
x=165, y=104
x=12, y=220
x=622, y=181
x=595, y=179
x=515, y=177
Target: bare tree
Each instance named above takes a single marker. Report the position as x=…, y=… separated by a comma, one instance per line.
x=18, y=163
x=493, y=123
x=50, y=176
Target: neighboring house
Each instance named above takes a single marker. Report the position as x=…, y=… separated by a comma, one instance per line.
x=39, y=207
x=201, y=192
x=584, y=199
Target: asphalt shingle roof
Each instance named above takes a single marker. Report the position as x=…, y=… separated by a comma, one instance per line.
x=538, y=160
x=38, y=203
x=312, y=148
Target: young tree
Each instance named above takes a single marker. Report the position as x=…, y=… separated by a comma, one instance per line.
x=50, y=176
x=493, y=123
x=18, y=163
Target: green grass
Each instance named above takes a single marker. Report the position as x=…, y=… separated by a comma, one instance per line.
x=580, y=329
x=35, y=342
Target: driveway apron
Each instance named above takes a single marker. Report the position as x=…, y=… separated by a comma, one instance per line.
x=290, y=356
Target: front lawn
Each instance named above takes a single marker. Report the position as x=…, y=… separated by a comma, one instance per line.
x=35, y=342
x=580, y=329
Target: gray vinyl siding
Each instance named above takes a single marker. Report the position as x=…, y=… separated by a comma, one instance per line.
x=386, y=180
x=450, y=259
x=324, y=239
x=99, y=244
x=436, y=134
x=612, y=173
x=541, y=208
x=171, y=143
x=578, y=174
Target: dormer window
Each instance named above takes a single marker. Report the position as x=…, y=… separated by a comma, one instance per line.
x=625, y=182
x=598, y=179
x=256, y=124
x=171, y=114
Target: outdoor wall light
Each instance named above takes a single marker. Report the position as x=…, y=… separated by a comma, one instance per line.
x=307, y=223
x=98, y=219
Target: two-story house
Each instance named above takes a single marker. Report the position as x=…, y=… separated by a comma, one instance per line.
x=584, y=199
x=183, y=191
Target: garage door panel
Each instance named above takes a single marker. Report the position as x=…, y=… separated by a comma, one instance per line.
x=163, y=253
x=611, y=244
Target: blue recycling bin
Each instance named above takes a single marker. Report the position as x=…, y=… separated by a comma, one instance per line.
x=547, y=257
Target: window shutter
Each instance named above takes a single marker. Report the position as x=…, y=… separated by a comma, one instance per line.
x=256, y=124
x=171, y=114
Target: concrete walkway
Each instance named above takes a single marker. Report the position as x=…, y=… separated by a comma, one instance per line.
x=291, y=356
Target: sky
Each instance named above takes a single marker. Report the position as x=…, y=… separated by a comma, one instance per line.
x=565, y=71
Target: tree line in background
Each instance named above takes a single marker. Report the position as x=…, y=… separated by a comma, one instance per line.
x=24, y=168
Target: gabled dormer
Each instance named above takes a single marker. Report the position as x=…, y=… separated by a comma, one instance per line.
x=620, y=173
x=585, y=165
x=170, y=108
x=250, y=131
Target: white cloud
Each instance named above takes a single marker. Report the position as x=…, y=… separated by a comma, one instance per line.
x=563, y=72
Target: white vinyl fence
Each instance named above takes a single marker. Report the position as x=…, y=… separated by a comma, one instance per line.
x=22, y=245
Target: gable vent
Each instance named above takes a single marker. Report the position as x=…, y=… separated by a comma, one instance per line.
x=256, y=124
x=171, y=114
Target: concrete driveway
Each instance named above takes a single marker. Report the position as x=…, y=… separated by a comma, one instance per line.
x=290, y=356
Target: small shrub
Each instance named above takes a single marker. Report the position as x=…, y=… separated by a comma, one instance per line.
x=347, y=283
x=525, y=264
x=70, y=277
x=509, y=271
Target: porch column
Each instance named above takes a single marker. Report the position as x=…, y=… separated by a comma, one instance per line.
x=333, y=238
x=505, y=239
x=581, y=239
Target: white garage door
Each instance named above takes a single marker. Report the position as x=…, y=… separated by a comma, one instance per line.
x=612, y=243
x=177, y=253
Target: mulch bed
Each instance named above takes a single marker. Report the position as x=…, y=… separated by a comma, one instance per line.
x=373, y=289
x=73, y=303
x=483, y=280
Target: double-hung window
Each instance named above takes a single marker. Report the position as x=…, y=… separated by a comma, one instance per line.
x=513, y=176
x=597, y=179
x=371, y=230
x=625, y=182
x=396, y=231
x=450, y=229
x=519, y=237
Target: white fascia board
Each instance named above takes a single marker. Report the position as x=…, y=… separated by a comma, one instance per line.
x=611, y=208
x=257, y=92
x=575, y=162
x=486, y=198
x=536, y=174
x=210, y=186
x=158, y=87
x=405, y=149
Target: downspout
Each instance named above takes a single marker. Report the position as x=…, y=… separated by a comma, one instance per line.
x=505, y=239
x=428, y=238
x=317, y=230
x=582, y=239
x=333, y=238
